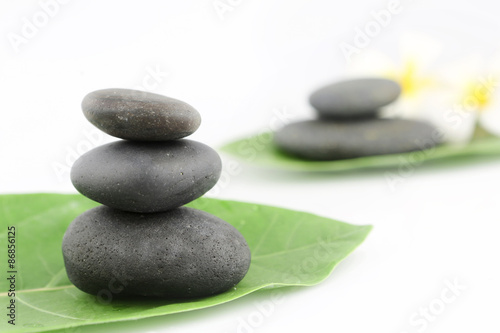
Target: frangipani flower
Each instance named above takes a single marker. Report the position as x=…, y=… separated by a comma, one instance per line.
x=471, y=100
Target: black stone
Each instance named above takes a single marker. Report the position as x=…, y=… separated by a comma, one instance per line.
x=146, y=176
x=140, y=116
x=358, y=98
x=332, y=140
x=180, y=253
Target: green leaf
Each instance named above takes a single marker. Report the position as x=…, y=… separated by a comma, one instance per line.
x=289, y=248
x=261, y=151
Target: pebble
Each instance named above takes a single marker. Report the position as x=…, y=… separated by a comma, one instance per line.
x=146, y=177
x=140, y=116
x=180, y=253
x=333, y=140
x=356, y=98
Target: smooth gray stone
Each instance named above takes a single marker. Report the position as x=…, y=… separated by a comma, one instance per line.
x=180, y=253
x=333, y=140
x=146, y=176
x=140, y=116
x=354, y=98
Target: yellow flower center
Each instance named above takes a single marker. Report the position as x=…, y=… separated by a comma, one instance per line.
x=410, y=80
x=478, y=95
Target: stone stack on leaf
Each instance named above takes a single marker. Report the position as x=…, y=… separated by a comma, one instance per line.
x=142, y=242
x=349, y=125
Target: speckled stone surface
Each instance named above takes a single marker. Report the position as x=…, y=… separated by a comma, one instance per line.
x=332, y=140
x=141, y=116
x=358, y=98
x=146, y=176
x=180, y=253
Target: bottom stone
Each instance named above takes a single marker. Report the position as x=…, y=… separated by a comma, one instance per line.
x=175, y=254
x=324, y=140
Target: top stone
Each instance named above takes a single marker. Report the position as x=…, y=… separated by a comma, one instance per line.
x=356, y=98
x=140, y=116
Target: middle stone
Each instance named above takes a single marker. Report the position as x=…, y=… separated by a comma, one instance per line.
x=147, y=177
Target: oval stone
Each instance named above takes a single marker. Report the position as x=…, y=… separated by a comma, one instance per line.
x=329, y=140
x=180, y=253
x=146, y=176
x=354, y=98
x=140, y=116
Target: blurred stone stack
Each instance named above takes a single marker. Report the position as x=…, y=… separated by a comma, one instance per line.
x=142, y=242
x=349, y=125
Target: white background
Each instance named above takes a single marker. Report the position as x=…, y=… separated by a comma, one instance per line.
x=440, y=224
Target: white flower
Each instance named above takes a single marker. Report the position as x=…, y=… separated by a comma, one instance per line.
x=471, y=100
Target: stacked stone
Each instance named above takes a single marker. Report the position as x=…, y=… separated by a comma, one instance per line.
x=142, y=242
x=349, y=125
